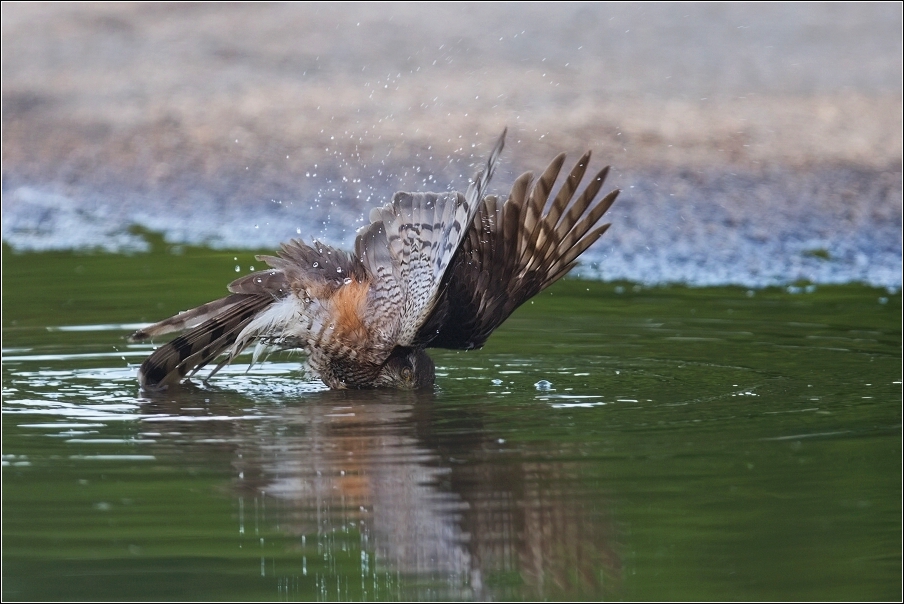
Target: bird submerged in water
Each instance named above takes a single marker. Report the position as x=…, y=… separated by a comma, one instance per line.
x=440, y=270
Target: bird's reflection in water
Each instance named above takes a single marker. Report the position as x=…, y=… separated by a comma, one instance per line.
x=436, y=501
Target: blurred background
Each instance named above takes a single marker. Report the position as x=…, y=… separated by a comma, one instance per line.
x=612, y=441
x=754, y=144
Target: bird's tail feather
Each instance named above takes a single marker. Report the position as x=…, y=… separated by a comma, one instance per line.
x=187, y=319
x=213, y=327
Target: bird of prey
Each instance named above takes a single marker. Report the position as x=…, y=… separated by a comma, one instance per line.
x=437, y=270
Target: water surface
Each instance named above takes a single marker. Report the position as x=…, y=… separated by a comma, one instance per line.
x=610, y=442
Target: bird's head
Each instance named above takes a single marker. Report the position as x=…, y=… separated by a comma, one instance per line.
x=407, y=369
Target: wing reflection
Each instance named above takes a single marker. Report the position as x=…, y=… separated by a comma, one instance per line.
x=428, y=495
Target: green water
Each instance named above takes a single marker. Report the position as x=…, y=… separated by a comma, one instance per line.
x=610, y=442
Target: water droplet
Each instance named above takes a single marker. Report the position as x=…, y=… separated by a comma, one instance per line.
x=316, y=264
x=347, y=280
x=238, y=269
x=543, y=385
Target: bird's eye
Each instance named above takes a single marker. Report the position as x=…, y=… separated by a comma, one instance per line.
x=407, y=373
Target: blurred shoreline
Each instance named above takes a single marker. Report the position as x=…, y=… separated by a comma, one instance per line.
x=754, y=144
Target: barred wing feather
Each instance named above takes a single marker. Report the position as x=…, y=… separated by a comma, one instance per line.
x=409, y=245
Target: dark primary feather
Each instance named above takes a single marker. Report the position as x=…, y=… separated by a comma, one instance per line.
x=512, y=252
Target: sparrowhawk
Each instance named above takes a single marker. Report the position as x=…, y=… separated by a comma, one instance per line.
x=430, y=270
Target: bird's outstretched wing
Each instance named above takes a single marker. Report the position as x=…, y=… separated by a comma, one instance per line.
x=409, y=245
x=512, y=252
